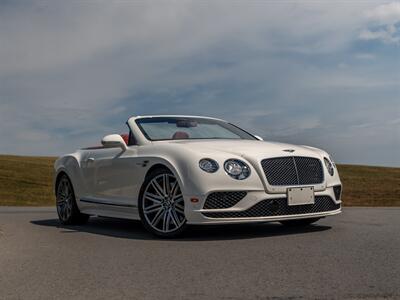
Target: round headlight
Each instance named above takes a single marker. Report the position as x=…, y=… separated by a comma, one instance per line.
x=208, y=165
x=237, y=169
x=329, y=166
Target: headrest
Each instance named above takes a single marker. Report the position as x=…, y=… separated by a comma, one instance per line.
x=180, y=135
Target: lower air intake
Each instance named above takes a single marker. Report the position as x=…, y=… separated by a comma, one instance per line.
x=278, y=207
x=223, y=199
x=337, y=189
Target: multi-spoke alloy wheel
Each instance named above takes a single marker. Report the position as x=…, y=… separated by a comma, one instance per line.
x=67, y=209
x=162, y=205
x=64, y=199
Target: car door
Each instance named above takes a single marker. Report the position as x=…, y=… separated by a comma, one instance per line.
x=113, y=179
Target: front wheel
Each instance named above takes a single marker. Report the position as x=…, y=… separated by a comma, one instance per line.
x=299, y=222
x=161, y=204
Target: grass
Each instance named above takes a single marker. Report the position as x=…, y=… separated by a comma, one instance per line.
x=370, y=186
x=27, y=181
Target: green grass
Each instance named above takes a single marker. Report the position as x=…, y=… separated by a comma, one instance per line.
x=28, y=181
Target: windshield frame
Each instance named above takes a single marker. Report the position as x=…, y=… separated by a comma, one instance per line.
x=241, y=133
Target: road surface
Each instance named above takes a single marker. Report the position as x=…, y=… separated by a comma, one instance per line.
x=355, y=255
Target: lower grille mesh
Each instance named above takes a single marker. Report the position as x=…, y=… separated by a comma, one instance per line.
x=278, y=207
x=223, y=199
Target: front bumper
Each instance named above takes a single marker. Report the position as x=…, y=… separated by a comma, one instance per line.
x=196, y=214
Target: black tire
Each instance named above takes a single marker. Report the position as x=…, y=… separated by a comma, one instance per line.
x=67, y=209
x=299, y=222
x=170, y=208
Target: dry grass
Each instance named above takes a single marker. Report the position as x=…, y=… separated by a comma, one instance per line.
x=28, y=181
x=370, y=186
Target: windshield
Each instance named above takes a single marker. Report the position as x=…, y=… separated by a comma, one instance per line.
x=176, y=128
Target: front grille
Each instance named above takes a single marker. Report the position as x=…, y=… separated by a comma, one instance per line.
x=293, y=170
x=223, y=199
x=337, y=189
x=278, y=207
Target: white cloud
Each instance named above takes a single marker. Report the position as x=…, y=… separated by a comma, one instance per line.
x=70, y=71
x=388, y=13
x=387, y=16
x=42, y=37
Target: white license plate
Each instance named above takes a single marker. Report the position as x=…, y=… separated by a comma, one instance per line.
x=300, y=196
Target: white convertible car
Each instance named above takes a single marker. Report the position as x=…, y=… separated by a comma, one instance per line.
x=170, y=171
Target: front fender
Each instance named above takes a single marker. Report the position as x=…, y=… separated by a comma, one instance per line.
x=69, y=164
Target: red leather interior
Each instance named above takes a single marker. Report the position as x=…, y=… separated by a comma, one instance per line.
x=180, y=135
x=125, y=137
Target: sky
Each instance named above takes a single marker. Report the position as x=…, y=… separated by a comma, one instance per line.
x=318, y=73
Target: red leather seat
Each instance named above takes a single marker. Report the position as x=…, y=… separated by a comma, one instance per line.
x=125, y=137
x=180, y=135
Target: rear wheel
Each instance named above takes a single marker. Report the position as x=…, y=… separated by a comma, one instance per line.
x=161, y=204
x=299, y=222
x=67, y=209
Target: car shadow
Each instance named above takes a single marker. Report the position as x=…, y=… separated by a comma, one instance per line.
x=129, y=229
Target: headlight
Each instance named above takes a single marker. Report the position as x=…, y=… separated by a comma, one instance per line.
x=237, y=169
x=208, y=165
x=329, y=166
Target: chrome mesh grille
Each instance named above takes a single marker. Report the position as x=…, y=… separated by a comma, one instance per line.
x=278, y=207
x=293, y=170
x=223, y=199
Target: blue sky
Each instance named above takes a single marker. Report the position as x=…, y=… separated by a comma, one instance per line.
x=325, y=74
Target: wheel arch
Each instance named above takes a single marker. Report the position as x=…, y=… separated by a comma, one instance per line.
x=163, y=163
x=68, y=165
x=157, y=166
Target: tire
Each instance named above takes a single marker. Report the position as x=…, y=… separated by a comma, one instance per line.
x=299, y=222
x=161, y=204
x=67, y=209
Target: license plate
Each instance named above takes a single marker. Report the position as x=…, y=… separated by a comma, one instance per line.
x=300, y=196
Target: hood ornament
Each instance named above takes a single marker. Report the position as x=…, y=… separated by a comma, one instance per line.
x=289, y=150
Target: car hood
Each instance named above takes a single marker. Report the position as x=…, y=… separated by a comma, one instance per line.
x=248, y=148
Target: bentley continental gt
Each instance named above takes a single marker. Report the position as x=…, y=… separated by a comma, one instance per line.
x=172, y=171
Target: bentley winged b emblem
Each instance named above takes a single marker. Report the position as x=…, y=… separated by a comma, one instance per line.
x=289, y=150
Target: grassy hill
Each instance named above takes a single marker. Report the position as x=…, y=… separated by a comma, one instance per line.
x=28, y=181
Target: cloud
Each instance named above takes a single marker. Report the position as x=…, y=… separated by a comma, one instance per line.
x=367, y=56
x=389, y=35
x=72, y=72
x=388, y=13
x=385, y=17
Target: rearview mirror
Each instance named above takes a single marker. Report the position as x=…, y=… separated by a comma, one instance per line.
x=113, y=141
x=186, y=123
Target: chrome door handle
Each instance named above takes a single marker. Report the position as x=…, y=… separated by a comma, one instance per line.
x=90, y=159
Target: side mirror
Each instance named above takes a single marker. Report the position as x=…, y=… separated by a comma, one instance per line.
x=113, y=141
x=258, y=137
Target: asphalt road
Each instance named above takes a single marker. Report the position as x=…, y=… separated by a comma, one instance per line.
x=355, y=255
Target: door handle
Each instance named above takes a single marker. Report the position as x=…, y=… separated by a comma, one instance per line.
x=90, y=159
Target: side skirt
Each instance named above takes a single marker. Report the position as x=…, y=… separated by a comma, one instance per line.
x=106, y=203
x=110, y=209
